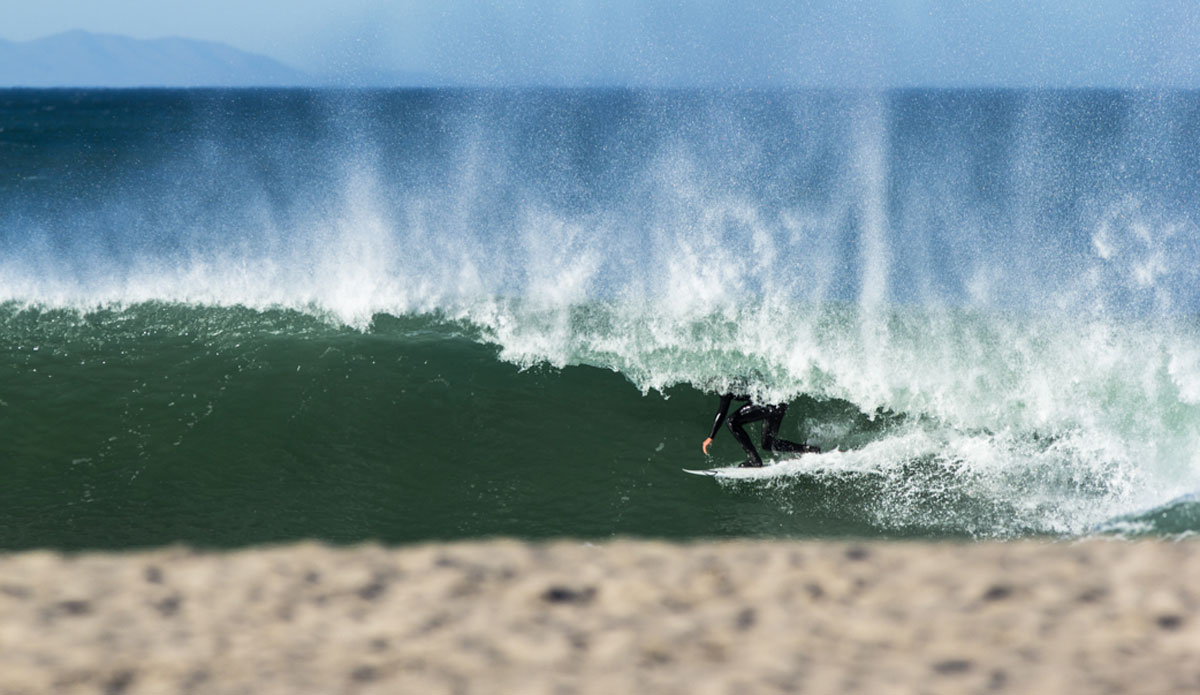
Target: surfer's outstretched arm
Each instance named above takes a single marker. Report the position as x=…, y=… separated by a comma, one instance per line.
x=722, y=411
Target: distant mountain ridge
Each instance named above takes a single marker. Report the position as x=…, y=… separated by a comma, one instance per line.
x=83, y=59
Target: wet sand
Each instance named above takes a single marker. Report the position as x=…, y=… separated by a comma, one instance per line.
x=619, y=617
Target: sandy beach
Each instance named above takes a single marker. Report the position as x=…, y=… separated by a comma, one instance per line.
x=618, y=617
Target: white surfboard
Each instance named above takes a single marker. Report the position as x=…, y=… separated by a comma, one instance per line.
x=791, y=466
x=730, y=472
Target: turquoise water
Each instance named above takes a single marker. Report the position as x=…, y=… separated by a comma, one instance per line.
x=233, y=317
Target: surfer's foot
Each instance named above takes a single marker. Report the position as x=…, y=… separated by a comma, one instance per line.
x=750, y=464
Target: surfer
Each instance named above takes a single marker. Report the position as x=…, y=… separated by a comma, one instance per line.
x=772, y=417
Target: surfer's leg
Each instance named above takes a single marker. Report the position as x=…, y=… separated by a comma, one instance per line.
x=747, y=413
x=770, y=442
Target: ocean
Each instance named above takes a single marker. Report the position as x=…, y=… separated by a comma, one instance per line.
x=232, y=317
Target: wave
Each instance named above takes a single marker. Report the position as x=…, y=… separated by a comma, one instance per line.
x=983, y=302
x=935, y=448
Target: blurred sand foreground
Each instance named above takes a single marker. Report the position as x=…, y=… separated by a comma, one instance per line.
x=613, y=618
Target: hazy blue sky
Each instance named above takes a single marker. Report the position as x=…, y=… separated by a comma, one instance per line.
x=677, y=42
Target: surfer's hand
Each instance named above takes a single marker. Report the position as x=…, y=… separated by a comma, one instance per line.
x=704, y=446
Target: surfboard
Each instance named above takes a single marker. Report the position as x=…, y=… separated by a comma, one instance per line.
x=795, y=465
x=765, y=471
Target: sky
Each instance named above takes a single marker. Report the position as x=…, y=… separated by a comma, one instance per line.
x=739, y=43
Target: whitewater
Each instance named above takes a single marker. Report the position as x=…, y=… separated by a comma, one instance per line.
x=238, y=316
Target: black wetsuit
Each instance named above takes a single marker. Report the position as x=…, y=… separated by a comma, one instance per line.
x=772, y=417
